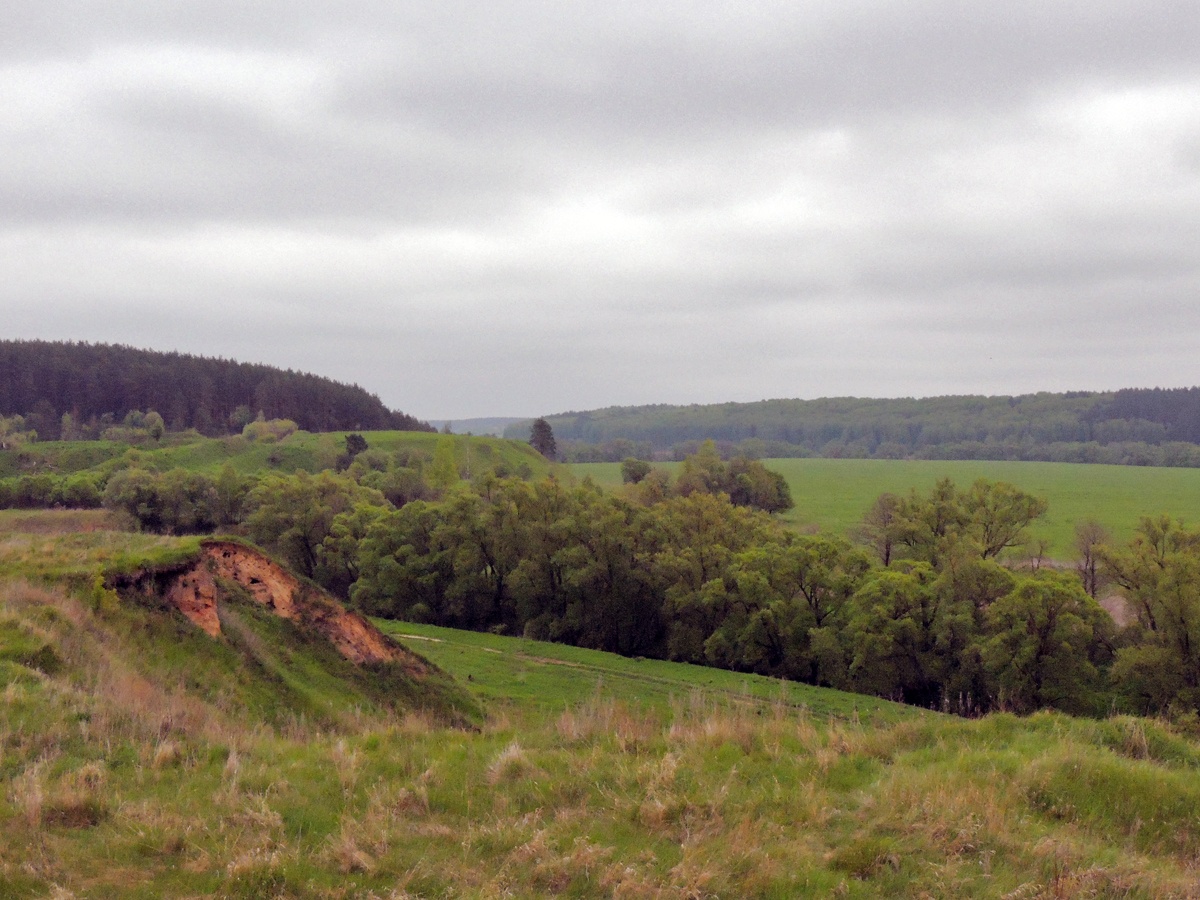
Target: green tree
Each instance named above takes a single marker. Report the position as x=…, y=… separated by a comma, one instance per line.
x=879, y=529
x=14, y=432
x=232, y=490
x=614, y=601
x=541, y=438
x=1159, y=575
x=176, y=502
x=1045, y=636
x=999, y=514
x=443, y=471
x=405, y=570
x=634, y=470
x=987, y=519
x=697, y=536
x=892, y=635
x=779, y=594
x=154, y=425
x=750, y=483
x=338, y=556
x=293, y=515
x=1090, y=537
x=703, y=472
x=356, y=444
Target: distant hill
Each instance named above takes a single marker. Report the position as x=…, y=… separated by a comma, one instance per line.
x=1132, y=427
x=99, y=384
x=495, y=425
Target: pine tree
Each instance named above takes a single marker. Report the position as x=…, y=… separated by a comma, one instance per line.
x=541, y=439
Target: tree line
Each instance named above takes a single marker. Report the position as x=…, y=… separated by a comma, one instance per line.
x=1127, y=427
x=920, y=604
x=77, y=391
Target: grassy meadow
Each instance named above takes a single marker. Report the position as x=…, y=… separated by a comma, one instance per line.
x=140, y=758
x=834, y=494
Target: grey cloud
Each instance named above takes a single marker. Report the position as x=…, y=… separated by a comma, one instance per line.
x=786, y=70
x=521, y=207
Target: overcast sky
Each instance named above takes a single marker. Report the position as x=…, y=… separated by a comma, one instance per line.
x=516, y=208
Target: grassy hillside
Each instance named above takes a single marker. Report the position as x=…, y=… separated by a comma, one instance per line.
x=301, y=450
x=834, y=493
x=141, y=759
x=517, y=673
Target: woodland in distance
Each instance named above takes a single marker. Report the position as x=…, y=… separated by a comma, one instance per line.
x=1144, y=427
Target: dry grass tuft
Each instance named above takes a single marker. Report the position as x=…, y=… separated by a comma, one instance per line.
x=76, y=802
x=347, y=855
x=255, y=862
x=511, y=764
x=347, y=762
x=167, y=755
x=603, y=719
x=417, y=723
x=411, y=802
x=28, y=796
x=710, y=725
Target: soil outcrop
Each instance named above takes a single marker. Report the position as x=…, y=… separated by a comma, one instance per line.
x=198, y=588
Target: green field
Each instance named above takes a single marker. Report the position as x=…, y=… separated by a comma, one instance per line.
x=833, y=494
x=518, y=673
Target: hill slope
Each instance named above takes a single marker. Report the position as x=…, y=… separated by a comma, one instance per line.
x=213, y=627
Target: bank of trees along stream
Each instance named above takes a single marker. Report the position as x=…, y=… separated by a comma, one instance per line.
x=922, y=605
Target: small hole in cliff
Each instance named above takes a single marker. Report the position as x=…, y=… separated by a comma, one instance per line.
x=255, y=581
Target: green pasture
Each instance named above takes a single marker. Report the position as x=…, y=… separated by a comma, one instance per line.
x=515, y=672
x=833, y=494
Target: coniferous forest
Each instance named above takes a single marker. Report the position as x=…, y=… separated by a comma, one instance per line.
x=73, y=391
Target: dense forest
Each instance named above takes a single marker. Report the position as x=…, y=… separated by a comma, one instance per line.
x=1127, y=427
x=76, y=391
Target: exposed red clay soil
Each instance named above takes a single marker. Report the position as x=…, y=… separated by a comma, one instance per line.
x=196, y=592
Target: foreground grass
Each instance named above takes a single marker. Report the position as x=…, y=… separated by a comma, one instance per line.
x=604, y=781
x=834, y=494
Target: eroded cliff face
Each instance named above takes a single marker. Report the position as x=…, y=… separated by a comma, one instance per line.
x=196, y=591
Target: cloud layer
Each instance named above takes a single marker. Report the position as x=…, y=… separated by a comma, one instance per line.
x=524, y=207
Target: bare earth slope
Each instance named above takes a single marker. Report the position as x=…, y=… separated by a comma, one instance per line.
x=199, y=588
